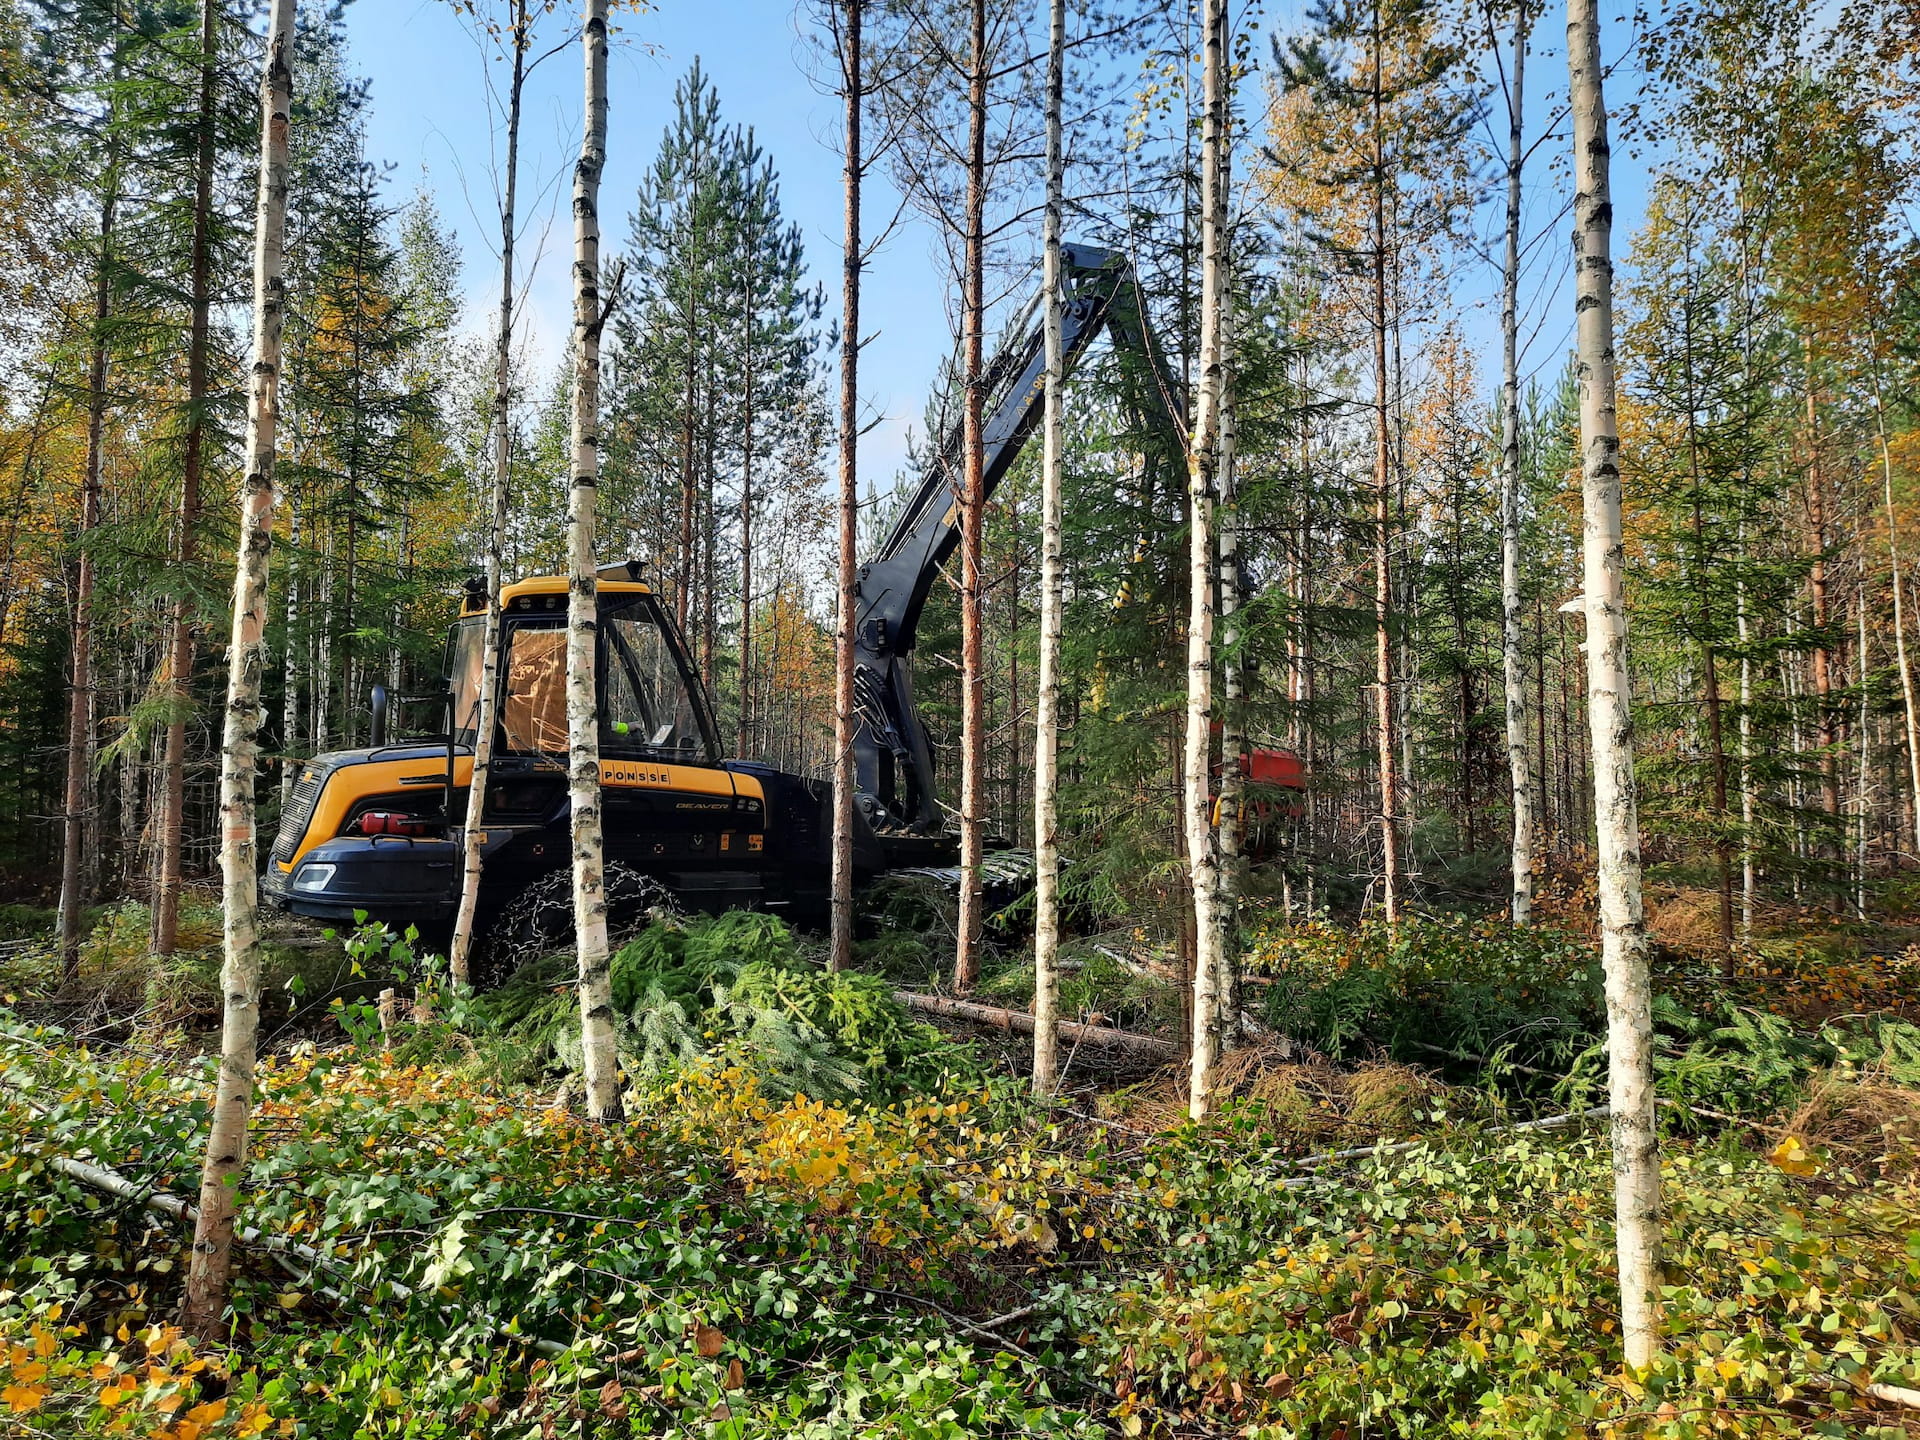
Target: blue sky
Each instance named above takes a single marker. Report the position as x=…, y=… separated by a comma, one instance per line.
x=430, y=117
x=430, y=113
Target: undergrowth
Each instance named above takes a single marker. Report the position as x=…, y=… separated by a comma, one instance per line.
x=736, y=987
x=822, y=1220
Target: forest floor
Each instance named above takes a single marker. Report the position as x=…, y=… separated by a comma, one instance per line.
x=824, y=1217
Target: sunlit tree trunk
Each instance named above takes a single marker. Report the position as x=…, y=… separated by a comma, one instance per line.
x=1046, y=718
x=290, y=661
x=1863, y=751
x=600, y=1060
x=173, y=801
x=472, y=834
x=220, y=1176
x=1391, y=864
x=80, y=706
x=840, y=951
x=1636, y=1157
x=1230, y=831
x=1512, y=655
x=1202, y=479
x=1909, y=712
x=1743, y=630
x=973, y=678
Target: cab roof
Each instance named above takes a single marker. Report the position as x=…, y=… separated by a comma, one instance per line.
x=536, y=590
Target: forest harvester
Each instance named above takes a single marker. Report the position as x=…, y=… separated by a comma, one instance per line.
x=376, y=829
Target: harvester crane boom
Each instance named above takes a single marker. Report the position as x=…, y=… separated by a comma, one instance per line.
x=892, y=757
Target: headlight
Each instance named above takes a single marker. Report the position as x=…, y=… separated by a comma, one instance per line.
x=313, y=877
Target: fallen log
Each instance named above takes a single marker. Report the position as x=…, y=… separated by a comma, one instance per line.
x=1895, y=1394
x=1148, y=1047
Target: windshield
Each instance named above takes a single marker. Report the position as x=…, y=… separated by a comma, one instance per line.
x=646, y=707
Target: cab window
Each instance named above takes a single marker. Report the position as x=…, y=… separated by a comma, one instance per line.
x=465, y=651
x=646, y=707
x=534, y=717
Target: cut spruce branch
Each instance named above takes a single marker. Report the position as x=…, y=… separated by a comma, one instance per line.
x=1019, y=1022
x=1701, y=1110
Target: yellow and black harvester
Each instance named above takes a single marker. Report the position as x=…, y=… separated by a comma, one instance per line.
x=376, y=830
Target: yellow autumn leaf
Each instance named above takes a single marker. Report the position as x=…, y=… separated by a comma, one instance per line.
x=1792, y=1156
x=209, y=1413
x=23, y=1399
x=114, y=1395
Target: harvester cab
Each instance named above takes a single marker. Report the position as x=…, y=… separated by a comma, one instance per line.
x=375, y=829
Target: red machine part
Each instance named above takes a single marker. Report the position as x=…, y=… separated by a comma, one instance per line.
x=391, y=822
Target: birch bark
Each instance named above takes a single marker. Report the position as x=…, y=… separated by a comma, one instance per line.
x=1230, y=830
x=1046, y=717
x=210, y=1264
x=1202, y=477
x=1391, y=863
x=487, y=703
x=1909, y=712
x=599, y=1059
x=1636, y=1159
x=1513, y=659
x=1744, y=632
x=840, y=952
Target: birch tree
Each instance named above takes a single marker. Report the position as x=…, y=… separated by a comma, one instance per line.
x=1202, y=465
x=1512, y=652
x=1636, y=1159
x=520, y=36
x=208, y=1269
x=840, y=953
x=600, y=1060
x=1046, y=722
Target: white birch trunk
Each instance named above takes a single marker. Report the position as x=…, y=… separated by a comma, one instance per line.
x=220, y=1176
x=1046, y=719
x=1385, y=707
x=1863, y=792
x=1233, y=723
x=1202, y=463
x=1636, y=1156
x=599, y=1059
x=290, y=662
x=1512, y=659
x=1747, y=877
x=471, y=834
x=1909, y=712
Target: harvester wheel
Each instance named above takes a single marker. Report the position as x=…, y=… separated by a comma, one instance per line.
x=538, y=921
